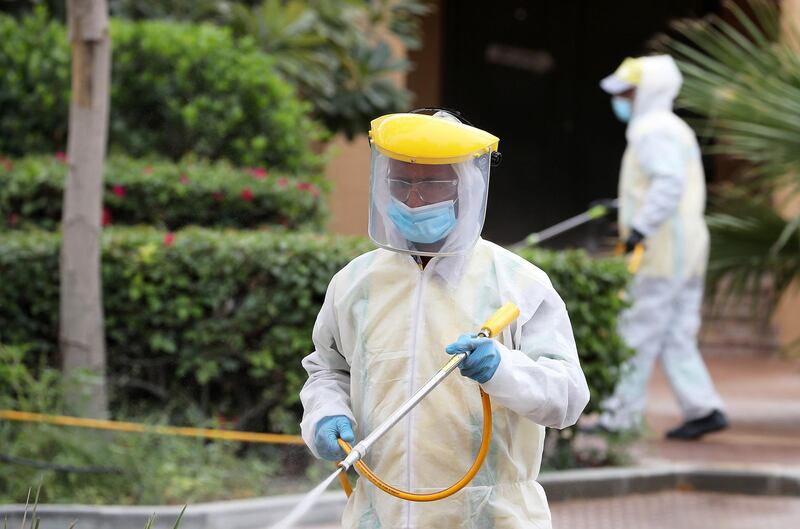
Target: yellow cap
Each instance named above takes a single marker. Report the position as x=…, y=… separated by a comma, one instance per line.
x=419, y=138
x=630, y=71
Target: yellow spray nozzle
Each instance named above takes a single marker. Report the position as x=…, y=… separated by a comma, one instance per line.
x=636, y=259
x=500, y=319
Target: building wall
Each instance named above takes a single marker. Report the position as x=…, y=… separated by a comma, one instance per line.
x=787, y=316
x=425, y=79
x=349, y=172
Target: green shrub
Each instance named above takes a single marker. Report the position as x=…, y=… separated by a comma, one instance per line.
x=161, y=193
x=76, y=465
x=220, y=320
x=590, y=288
x=336, y=53
x=176, y=88
x=34, y=84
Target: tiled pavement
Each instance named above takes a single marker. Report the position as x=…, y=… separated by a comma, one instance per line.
x=673, y=510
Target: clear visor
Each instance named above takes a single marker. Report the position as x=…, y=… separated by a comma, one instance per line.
x=427, y=209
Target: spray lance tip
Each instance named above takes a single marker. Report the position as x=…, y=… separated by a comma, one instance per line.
x=355, y=455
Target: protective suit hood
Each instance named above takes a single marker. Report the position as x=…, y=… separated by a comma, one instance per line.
x=659, y=86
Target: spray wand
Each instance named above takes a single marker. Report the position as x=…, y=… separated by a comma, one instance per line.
x=491, y=327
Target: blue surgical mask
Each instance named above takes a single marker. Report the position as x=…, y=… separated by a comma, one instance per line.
x=425, y=224
x=622, y=108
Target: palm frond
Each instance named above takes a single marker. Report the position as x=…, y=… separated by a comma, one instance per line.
x=746, y=82
x=750, y=242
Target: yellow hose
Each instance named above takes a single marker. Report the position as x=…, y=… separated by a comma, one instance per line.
x=365, y=471
x=121, y=426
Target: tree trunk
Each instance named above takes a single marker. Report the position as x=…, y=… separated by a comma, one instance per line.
x=82, y=336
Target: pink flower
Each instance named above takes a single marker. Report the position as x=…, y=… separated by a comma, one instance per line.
x=247, y=194
x=169, y=238
x=218, y=195
x=283, y=182
x=148, y=169
x=61, y=156
x=13, y=219
x=307, y=186
x=258, y=172
x=6, y=163
x=184, y=179
x=118, y=190
x=106, y=219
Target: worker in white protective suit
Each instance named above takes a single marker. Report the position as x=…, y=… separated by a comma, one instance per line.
x=662, y=198
x=392, y=316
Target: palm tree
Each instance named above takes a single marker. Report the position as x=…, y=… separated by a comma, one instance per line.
x=743, y=79
x=336, y=54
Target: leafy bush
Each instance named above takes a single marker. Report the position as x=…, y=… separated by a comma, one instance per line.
x=590, y=288
x=161, y=193
x=335, y=53
x=221, y=320
x=215, y=320
x=34, y=76
x=176, y=88
x=88, y=466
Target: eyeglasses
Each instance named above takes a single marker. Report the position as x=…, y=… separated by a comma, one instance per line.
x=429, y=191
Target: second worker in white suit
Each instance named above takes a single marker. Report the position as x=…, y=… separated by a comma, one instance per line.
x=662, y=197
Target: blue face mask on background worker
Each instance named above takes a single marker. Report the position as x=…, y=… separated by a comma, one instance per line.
x=392, y=317
x=622, y=107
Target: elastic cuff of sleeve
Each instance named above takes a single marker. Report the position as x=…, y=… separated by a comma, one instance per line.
x=504, y=374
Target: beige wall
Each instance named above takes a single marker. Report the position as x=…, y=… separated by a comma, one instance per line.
x=349, y=172
x=787, y=316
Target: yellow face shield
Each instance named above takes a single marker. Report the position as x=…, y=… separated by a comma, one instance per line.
x=419, y=138
x=627, y=76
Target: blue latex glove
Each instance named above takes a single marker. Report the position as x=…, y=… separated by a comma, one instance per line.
x=483, y=360
x=329, y=429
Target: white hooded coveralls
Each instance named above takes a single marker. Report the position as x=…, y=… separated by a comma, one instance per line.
x=381, y=334
x=662, y=194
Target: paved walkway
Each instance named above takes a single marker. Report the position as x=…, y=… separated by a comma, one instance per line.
x=678, y=510
x=672, y=510
x=763, y=400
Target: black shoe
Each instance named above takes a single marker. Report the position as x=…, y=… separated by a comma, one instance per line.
x=697, y=428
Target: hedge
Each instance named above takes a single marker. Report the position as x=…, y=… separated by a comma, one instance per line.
x=176, y=88
x=590, y=288
x=161, y=193
x=222, y=319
